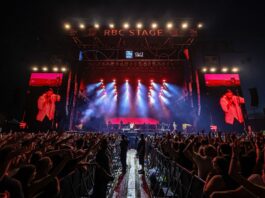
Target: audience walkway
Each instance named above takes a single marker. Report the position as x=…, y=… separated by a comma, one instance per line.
x=132, y=184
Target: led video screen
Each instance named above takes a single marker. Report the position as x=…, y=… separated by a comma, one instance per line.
x=45, y=79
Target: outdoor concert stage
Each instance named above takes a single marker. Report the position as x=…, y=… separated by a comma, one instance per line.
x=131, y=76
x=126, y=75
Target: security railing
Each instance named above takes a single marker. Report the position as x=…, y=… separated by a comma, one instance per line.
x=80, y=182
x=169, y=179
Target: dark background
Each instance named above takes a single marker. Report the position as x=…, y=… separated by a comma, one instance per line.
x=32, y=33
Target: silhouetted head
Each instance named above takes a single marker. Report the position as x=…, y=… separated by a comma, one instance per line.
x=26, y=174
x=104, y=144
x=221, y=165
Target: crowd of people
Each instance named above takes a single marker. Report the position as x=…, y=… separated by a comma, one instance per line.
x=230, y=165
x=33, y=164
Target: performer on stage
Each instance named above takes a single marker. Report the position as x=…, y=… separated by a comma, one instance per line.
x=131, y=126
x=46, y=106
x=230, y=104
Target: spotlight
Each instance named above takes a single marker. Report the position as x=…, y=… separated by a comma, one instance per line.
x=101, y=80
x=235, y=69
x=151, y=80
x=139, y=25
x=96, y=25
x=35, y=68
x=44, y=69
x=55, y=69
x=126, y=80
x=213, y=69
x=225, y=69
x=126, y=25
x=204, y=69
x=164, y=81
x=200, y=25
x=139, y=81
x=114, y=80
x=154, y=25
x=169, y=25
x=67, y=26
x=82, y=26
x=111, y=25
x=63, y=69
x=184, y=25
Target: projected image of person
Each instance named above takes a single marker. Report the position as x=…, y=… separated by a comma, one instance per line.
x=46, y=109
x=231, y=105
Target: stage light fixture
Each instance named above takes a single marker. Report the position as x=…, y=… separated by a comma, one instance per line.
x=200, y=25
x=111, y=25
x=154, y=25
x=126, y=80
x=63, y=69
x=204, y=69
x=184, y=25
x=139, y=25
x=213, y=69
x=67, y=26
x=35, y=68
x=82, y=26
x=55, y=69
x=44, y=69
x=169, y=25
x=101, y=80
x=225, y=69
x=235, y=69
x=96, y=25
x=139, y=81
x=126, y=25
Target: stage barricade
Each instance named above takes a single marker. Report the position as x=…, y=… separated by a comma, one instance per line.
x=169, y=179
x=80, y=182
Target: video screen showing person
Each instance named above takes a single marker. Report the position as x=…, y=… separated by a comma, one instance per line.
x=46, y=109
x=44, y=105
x=223, y=103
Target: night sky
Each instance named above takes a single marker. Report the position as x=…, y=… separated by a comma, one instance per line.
x=32, y=34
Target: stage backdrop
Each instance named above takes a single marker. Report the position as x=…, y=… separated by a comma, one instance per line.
x=146, y=89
